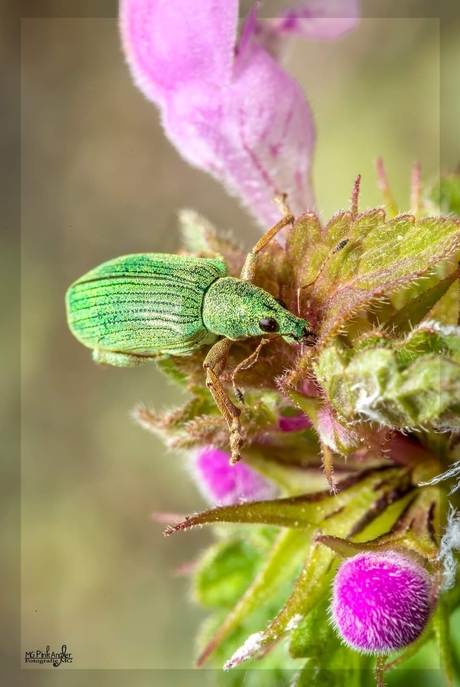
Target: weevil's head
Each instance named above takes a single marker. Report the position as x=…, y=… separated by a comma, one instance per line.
x=238, y=309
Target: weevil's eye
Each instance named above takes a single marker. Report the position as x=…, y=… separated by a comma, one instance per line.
x=268, y=324
x=282, y=303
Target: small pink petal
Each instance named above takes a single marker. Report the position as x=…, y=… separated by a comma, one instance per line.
x=225, y=484
x=333, y=434
x=381, y=601
x=294, y=423
x=320, y=19
x=311, y=19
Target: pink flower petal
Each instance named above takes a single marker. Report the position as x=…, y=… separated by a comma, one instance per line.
x=169, y=44
x=224, y=484
x=246, y=123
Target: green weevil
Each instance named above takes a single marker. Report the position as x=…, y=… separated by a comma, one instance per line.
x=143, y=307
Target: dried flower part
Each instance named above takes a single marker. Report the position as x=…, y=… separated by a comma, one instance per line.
x=221, y=483
x=381, y=601
x=294, y=423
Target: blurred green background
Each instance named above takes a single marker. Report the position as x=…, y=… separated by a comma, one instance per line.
x=99, y=179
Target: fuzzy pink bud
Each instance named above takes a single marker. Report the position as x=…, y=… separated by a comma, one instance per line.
x=381, y=601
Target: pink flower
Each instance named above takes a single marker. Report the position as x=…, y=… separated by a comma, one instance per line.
x=294, y=423
x=228, y=106
x=381, y=601
x=223, y=484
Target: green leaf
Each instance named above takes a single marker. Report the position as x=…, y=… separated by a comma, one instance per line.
x=168, y=367
x=311, y=586
x=286, y=555
x=447, y=194
x=225, y=571
x=313, y=635
x=418, y=308
x=442, y=634
x=300, y=512
x=324, y=676
x=305, y=257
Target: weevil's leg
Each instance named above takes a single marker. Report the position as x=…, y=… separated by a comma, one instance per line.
x=249, y=268
x=246, y=365
x=121, y=359
x=214, y=364
x=328, y=467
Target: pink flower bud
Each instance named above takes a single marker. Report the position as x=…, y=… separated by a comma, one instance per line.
x=381, y=601
x=294, y=423
x=225, y=484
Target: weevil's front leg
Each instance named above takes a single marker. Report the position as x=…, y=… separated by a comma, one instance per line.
x=246, y=364
x=249, y=268
x=214, y=364
x=121, y=359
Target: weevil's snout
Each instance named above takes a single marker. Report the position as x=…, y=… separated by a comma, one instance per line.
x=299, y=332
x=308, y=338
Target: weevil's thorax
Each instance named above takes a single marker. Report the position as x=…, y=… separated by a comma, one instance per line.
x=234, y=308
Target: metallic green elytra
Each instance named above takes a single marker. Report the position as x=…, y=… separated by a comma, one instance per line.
x=139, y=308
x=149, y=305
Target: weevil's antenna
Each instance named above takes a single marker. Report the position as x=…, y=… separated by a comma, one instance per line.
x=354, y=211
x=334, y=250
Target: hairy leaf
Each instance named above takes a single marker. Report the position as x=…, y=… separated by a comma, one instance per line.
x=415, y=382
x=361, y=258
x=225, y=571
x=284, y=559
